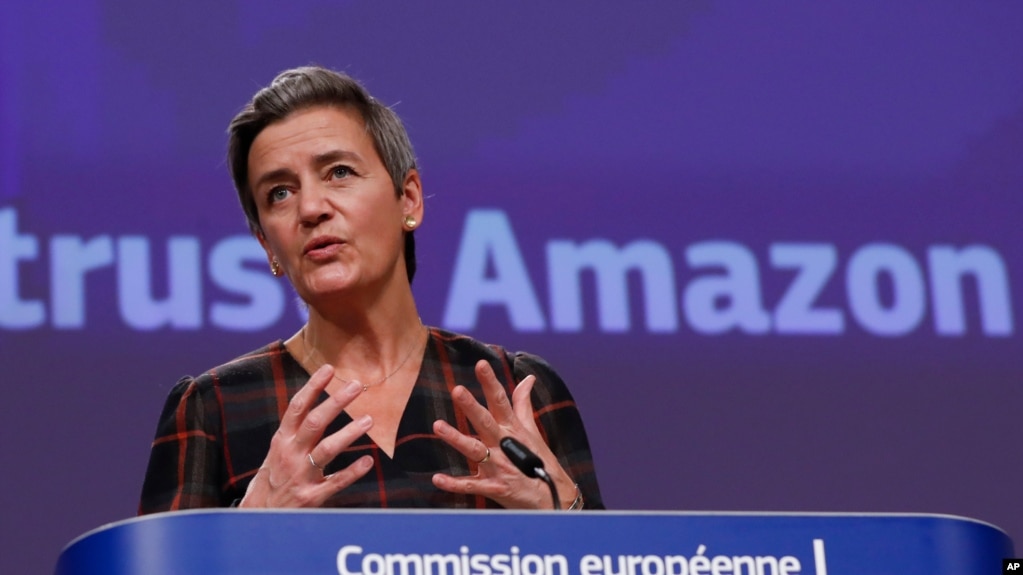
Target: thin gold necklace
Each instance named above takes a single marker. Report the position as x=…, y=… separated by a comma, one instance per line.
x=310, y=350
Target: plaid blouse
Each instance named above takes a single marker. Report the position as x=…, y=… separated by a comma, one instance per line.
x=215, y=430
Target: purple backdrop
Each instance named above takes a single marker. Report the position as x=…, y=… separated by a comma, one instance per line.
x=775, y=249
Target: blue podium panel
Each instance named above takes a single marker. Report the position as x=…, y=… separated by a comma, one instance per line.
x=382, y=542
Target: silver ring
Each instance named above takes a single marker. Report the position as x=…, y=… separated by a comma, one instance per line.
x=486, y=457
x=313, y=462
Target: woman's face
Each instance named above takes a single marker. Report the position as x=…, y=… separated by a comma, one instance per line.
x=326, y=204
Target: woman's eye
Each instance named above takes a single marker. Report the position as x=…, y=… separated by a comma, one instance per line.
x=279, y=193
x=340, y=172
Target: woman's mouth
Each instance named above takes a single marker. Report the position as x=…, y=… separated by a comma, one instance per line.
x=322, y=247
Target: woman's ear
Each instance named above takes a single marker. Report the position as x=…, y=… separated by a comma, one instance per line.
x=265, y=245
x=412, y=197
x=275, y=264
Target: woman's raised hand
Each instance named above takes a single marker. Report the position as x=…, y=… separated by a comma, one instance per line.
x=292, y=473
x=496, y=476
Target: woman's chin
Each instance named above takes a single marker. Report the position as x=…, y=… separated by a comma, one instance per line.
x=326, y=290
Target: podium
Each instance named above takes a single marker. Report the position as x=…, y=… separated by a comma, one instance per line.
x=412, y=542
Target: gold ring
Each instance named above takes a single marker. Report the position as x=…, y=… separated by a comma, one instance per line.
x=486, y=457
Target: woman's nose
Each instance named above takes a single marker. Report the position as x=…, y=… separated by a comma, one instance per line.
x=313, y=204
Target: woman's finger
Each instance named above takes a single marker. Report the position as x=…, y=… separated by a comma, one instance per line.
x=490, y=488
x=472, y=448
x=486, y=426
x=494, y=392
x=522, y=403
x=304, y=399
x=507, y=486
x=332, y=445
x=340, y=480
x=315, y=423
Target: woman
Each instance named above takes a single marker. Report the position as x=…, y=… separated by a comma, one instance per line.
x=364, y=406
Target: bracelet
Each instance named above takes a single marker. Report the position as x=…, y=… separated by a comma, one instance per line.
x=577, y=504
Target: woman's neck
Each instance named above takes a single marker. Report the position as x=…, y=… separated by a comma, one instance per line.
x=362, y=346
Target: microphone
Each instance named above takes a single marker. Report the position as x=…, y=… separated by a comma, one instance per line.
x=530, y=465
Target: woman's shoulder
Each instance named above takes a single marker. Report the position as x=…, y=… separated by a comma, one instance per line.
x=461, y=348
x=257, y=366
x=458, y=345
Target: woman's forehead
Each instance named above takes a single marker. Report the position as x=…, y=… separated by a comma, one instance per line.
x=311, y=135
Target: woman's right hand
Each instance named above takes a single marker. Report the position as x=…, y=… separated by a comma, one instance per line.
x=292, y=473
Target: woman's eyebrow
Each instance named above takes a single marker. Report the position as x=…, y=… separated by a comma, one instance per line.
x=334, y=156
x=278, y=174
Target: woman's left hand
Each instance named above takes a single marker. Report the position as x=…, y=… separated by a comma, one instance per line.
x=496, y=476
